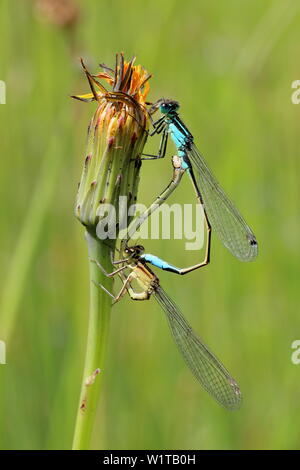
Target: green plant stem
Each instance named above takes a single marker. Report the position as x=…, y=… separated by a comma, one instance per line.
x=99, y=316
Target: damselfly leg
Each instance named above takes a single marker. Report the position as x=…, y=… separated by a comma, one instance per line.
x=162, y=147
x=126, y=283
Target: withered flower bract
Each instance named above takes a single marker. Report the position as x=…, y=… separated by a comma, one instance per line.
x=116, y=136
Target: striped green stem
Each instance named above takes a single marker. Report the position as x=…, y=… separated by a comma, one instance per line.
x=99, y=318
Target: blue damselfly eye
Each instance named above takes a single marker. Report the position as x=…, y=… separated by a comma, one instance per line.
x=169, y=106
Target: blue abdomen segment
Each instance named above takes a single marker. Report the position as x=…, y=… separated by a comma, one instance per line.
x=159, y=263
x=185, y=163
x=180, y=140
x=178, y=137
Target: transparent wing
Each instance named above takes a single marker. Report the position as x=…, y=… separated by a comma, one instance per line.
x=207, y=369
x=224, y=218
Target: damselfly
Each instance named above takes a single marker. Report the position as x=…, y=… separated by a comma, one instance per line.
x=220, y=212
x=205, y=366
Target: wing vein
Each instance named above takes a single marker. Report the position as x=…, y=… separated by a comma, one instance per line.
x=223, y=216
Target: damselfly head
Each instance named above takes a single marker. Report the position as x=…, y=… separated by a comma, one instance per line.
x=165, y=106
x=168, y=106
x=135, y=251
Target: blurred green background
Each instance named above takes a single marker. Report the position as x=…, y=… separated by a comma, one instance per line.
x=232, y=69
